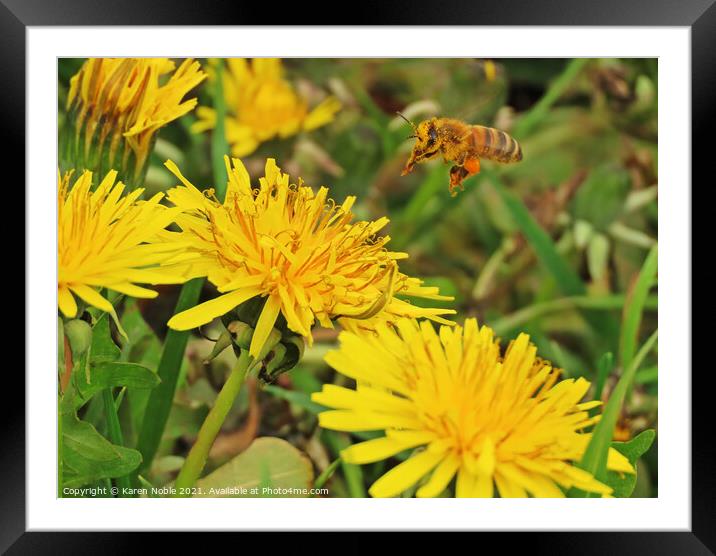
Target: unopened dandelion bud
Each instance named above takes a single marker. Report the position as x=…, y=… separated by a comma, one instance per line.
x=275, y=358
x=241, y=333
x=221, y=344
x=243, y=338
x=285, y=356
x=79, y=334
x=115, y=108
x=272, y=341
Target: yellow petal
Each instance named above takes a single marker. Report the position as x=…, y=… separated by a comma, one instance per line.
x=484, y=487
x=66, y=302
x=322, y=114
x=208, y=311
x=508, y=488
x=353, y=421
x=465, y=484
x=440, y=478
x=244, y=147
x=616, y=461
x=373, y=450
x=267, y=319
x=242, y=282
x=404, y=475
x=92, y=297
x=133, y=290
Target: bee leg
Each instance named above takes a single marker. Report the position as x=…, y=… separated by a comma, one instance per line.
x=457, y=174
x=469, y=167
x=472, y=165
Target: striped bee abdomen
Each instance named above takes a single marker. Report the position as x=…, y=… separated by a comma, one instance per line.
x=494, y=144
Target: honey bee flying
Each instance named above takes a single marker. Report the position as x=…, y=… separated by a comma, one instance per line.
x=461, y=143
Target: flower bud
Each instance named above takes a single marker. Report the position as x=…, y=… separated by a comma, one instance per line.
x=221, y=344
x=79, y=334
x=284, y=357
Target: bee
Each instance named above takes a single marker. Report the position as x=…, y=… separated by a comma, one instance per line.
x=461, y=143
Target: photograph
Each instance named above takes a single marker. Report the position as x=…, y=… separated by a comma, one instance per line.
x=357, y=278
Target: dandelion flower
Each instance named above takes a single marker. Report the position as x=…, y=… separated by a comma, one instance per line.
x=262, y=105
x=463, y=410
x=118, y=104
x=295, y=248
x=109, y=241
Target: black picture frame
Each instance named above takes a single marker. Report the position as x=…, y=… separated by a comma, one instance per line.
x=699, y=15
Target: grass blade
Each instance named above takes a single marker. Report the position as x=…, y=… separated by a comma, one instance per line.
x=353, y=473
x=115, y=434
x=634, y=308
x=602, y=303
x=327, y=474
x=594, y=459
x=567, y=279
x=604, y=367
x=219, y=145
x=565, y=276
x=538, y=112
x=161, y=398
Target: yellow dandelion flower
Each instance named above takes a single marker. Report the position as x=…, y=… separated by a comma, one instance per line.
x=262, y=105
x=109, y=241
x=487, y=419
x=118, y=104
x=296, y=248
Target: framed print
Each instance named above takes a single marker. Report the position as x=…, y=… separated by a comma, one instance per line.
x=412, y=281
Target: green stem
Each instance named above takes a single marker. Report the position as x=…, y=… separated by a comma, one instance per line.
x=195, y=461
x=327, y=474
x=115, y=434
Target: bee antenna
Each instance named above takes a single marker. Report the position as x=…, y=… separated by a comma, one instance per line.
x=407, y=120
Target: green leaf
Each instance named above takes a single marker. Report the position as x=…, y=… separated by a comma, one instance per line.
x=634, y=308
x=624, y=483
x=598, y=256
x=268, y=461
x=109, y=375
x=88, y=457
x=600, y=199
x=103, y=346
